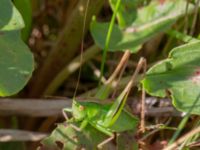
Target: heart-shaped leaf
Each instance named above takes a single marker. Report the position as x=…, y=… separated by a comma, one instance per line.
x=180, y=76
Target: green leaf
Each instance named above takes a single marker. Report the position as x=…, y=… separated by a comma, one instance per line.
x=71, y=139
x=123, y=40
x=180, y=75
x=10, y=18
x=151, y=20
x=156, y=10
x=16, y=63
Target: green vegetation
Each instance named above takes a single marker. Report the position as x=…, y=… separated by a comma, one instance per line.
x=86, y=50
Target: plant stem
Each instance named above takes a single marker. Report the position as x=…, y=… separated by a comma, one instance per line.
x=108, y=38
x=71, y=68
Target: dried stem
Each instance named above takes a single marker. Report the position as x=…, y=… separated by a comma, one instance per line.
x=119, y=66
x=142, y=123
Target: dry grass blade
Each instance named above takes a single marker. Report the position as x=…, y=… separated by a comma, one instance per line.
x=182, y=139
x=143, y=108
